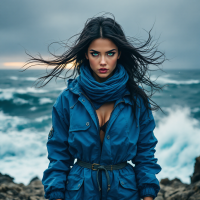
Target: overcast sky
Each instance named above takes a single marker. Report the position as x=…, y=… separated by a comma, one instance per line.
x=33, y=25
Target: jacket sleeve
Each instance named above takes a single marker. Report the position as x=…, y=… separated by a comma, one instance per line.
x=145, y=163
x=54, y=177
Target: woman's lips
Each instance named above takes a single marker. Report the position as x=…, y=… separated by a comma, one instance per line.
x=103, y=70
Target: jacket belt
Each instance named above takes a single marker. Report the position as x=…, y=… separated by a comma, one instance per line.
x=98, y=167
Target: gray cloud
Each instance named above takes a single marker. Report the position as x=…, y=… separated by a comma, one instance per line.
x=35, y=24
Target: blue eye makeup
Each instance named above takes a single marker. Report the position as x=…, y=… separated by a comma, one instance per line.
x=94, y=54
x=112, y=53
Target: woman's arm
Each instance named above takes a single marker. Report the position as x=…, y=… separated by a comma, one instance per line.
x=54, y=178
x=145, y=163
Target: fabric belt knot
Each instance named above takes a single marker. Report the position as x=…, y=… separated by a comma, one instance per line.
x=101, y=167
x=98, y=167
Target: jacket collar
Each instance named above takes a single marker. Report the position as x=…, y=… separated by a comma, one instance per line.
x=74, y=87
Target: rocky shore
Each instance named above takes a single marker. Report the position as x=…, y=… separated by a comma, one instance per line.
x=13, y=191
x=176, y=190
x=170, y=189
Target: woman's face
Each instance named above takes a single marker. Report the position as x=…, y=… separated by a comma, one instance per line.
x=102, y=53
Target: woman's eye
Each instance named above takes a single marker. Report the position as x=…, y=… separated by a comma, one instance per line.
x=111, y=54
x=94, y=54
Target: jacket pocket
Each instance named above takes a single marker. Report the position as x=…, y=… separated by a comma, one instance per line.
x=79, y=124
x=128, y=187
x=74, y=187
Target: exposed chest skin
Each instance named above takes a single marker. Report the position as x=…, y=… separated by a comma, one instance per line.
x=103, y=114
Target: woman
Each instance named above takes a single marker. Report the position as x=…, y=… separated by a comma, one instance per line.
x=103, y=118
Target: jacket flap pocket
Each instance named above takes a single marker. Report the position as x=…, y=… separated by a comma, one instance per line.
x=128, y=182
x=74, y=182
x=79, y=125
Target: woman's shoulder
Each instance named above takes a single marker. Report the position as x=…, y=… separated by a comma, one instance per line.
x=66, y=96
x=144, y=112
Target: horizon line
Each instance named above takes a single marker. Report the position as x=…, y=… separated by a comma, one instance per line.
x=19, y=65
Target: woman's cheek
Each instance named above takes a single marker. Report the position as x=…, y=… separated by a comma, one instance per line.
x=112, y=63
x=93, y=63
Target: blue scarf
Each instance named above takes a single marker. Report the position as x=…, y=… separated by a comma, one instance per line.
x=110, y=90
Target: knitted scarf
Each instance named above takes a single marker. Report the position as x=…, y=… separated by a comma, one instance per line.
x=110, y=90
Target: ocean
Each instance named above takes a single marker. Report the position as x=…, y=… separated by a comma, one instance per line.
x=25, y=121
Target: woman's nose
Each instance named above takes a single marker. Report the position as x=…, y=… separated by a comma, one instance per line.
x=103, y=60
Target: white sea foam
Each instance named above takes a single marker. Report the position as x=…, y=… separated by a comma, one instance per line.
x=23, y=150
x=23, y=170
x=7, y=122
x=197, y=109
x=7, y=94
x=15, y=78
x=44, y=101
x=166, y=80
x=33, y=108
x=20, y=101
x=178, y=137
x=30, y=79
x=41, y=119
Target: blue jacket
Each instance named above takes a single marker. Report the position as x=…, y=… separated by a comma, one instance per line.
x=75, y=134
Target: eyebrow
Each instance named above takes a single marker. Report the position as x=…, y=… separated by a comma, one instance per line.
x=99, y=52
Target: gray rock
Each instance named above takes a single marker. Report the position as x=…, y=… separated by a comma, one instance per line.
x=176, y=190
x=196, y=175
x=5, y=178
x=184, y=195
x=159, y=196
x=195, y=196
x=13, y=191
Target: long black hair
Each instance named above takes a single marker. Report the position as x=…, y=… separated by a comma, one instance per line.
x=136, y=57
